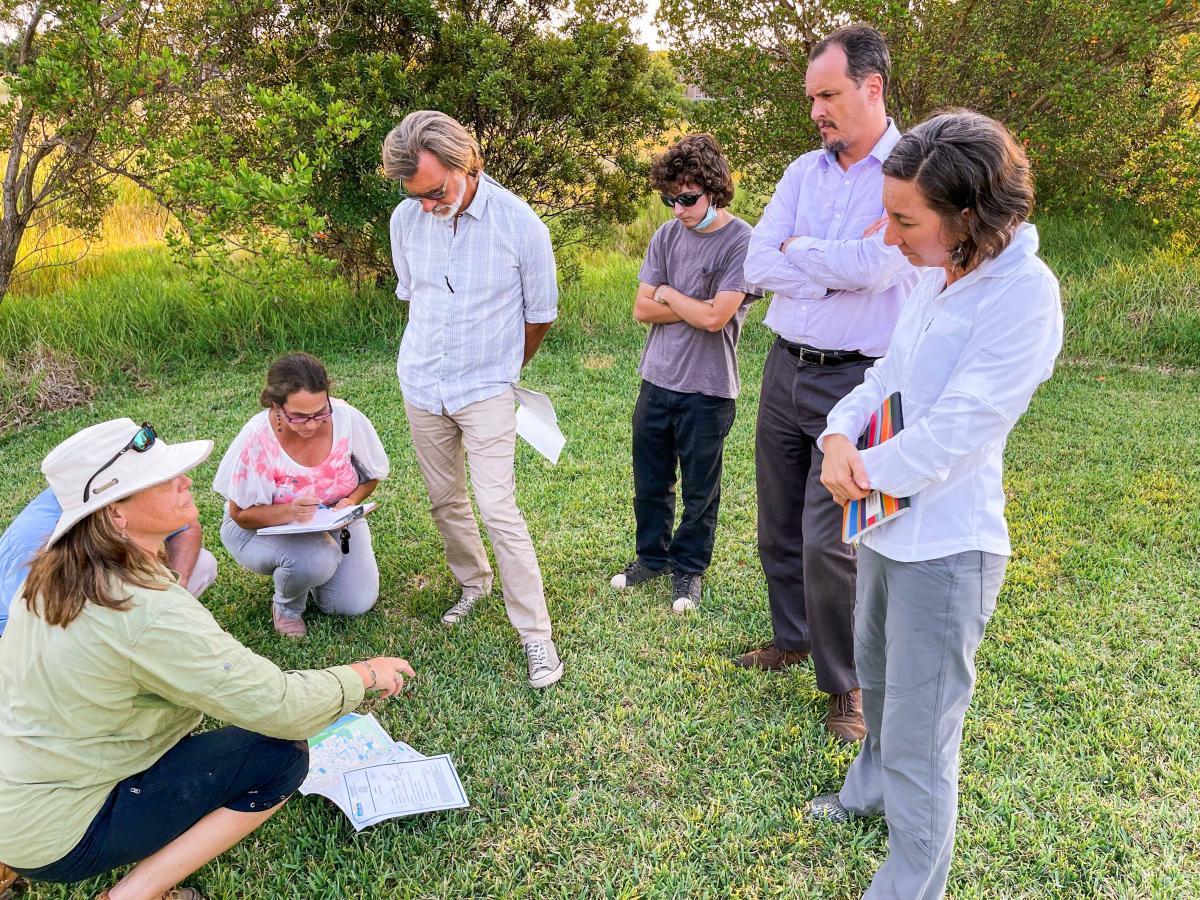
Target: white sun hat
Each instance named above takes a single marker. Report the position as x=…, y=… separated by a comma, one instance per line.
x=109, y=462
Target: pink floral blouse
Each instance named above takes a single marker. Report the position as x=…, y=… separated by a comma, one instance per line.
x=256, y=471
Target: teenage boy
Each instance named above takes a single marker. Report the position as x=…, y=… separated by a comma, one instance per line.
x=693, y=295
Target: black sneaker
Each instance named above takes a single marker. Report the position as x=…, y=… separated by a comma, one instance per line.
x=636, y=573
x=686, y=592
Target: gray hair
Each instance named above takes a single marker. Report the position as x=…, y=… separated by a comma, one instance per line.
x=430, y=131
x=866, y=52
x=962, y=160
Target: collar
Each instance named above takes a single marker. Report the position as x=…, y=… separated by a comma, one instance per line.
x=880, y=152
x=1024, y=244
x=482, y=193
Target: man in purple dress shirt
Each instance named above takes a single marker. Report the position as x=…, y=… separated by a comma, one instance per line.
x=838, y=290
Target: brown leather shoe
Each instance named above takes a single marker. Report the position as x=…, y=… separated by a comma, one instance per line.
x=7, y=879
x=845, y=717
x=771, y=658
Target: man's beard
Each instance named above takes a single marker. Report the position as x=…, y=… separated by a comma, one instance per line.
x=835, y=145
x=451, y=209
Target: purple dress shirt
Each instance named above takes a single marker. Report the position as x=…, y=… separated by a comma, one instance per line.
x=834, y=289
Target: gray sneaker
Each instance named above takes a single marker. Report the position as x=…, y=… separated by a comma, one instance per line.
x=545, y=668
x=461, y=609
x=828, y=808
x=686, y=589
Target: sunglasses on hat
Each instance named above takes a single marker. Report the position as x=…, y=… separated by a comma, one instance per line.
x=142, y=441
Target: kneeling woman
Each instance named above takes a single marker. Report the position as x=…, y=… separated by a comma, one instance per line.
x=978, y=334
x=305, y=450
x=107, y=666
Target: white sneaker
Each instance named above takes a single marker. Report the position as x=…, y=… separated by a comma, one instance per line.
x=545, y=668
x=461, y=609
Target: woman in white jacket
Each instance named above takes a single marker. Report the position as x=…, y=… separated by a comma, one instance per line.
x=978, y=334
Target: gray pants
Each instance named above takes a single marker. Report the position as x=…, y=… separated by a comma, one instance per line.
x=916, y=629
x=344, y=584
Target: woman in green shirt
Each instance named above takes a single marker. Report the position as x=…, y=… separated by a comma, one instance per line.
x=108, y=665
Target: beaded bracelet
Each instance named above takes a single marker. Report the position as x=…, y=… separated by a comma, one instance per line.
x=374, y=678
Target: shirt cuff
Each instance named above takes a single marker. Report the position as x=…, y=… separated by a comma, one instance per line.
x=352, y=687
x=798, y=248
x=540, y=318
x=833, y=428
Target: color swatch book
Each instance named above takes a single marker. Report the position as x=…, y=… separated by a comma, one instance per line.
x=860, y=516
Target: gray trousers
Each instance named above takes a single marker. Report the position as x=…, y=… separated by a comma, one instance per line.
x=344, y=584
x=809, y=570
x=916, y=629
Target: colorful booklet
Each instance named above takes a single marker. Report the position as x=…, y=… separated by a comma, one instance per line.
x=860, y=516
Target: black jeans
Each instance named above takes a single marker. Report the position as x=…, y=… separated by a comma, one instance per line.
x=672, y=429
x=230, y=767
x=810, y=571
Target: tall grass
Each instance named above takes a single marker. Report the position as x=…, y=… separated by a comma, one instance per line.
x=127, y=313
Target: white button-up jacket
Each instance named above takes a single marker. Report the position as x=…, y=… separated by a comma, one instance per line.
x=966, y=360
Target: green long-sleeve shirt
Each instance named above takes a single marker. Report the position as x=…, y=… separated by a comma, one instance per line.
x=85, y=706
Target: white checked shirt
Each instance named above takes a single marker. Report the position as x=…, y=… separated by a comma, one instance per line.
x=470, y=294
x=966, y=361
x=834, y=289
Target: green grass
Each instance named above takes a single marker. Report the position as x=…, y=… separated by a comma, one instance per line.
x=658, y=769
x=131, y=316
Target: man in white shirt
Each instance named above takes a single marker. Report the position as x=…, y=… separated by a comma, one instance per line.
x=476, y=266
x=838, y=291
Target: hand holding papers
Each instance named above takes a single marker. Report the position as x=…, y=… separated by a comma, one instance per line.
x=325, y=519
x=537, y=423
x=372, y=778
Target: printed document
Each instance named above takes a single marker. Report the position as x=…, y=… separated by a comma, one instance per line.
x=353, y=745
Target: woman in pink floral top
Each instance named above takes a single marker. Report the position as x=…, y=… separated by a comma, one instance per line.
x=305, y=450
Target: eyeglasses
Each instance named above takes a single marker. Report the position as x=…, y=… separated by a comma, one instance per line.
x=439, y=194
x=688, y=200
x=140, y=442
x=304, y=420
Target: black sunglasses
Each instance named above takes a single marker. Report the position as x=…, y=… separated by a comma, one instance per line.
x=435, y=195
x=685, y=199
x=140, y=442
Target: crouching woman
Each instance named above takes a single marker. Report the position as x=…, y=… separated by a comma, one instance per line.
x=108, y=665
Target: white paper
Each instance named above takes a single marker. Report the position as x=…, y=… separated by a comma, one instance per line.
x=326, y=519
x=354, y=744
x=537, y=423
x=388, y=790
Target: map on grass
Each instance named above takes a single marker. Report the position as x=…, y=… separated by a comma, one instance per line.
x=341, y=756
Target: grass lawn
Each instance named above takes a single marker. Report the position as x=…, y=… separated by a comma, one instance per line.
x=658, y=769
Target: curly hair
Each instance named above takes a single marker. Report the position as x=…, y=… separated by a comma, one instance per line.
x=962, y=160
x=696, y=158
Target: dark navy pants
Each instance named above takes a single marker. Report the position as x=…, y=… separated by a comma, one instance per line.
x=228, y=768
x=685, y=432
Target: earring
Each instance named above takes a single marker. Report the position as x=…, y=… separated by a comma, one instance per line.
x=278, y=422
x=958, y=256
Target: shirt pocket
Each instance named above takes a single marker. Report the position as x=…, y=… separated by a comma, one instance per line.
x=936, y=356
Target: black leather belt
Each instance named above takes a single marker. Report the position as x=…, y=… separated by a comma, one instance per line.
x=823, y=357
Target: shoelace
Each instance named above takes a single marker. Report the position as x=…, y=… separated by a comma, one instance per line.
x=463, y=606
x=844, y=704
x=539, y=655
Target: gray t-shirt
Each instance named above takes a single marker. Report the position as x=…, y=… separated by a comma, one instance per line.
x=678, y=356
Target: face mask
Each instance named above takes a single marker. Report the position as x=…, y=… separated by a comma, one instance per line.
x=707, y=220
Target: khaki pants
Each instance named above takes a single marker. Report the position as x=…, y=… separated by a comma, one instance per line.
x=487, y=429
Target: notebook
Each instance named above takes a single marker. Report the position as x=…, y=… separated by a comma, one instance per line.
x=860, y=516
